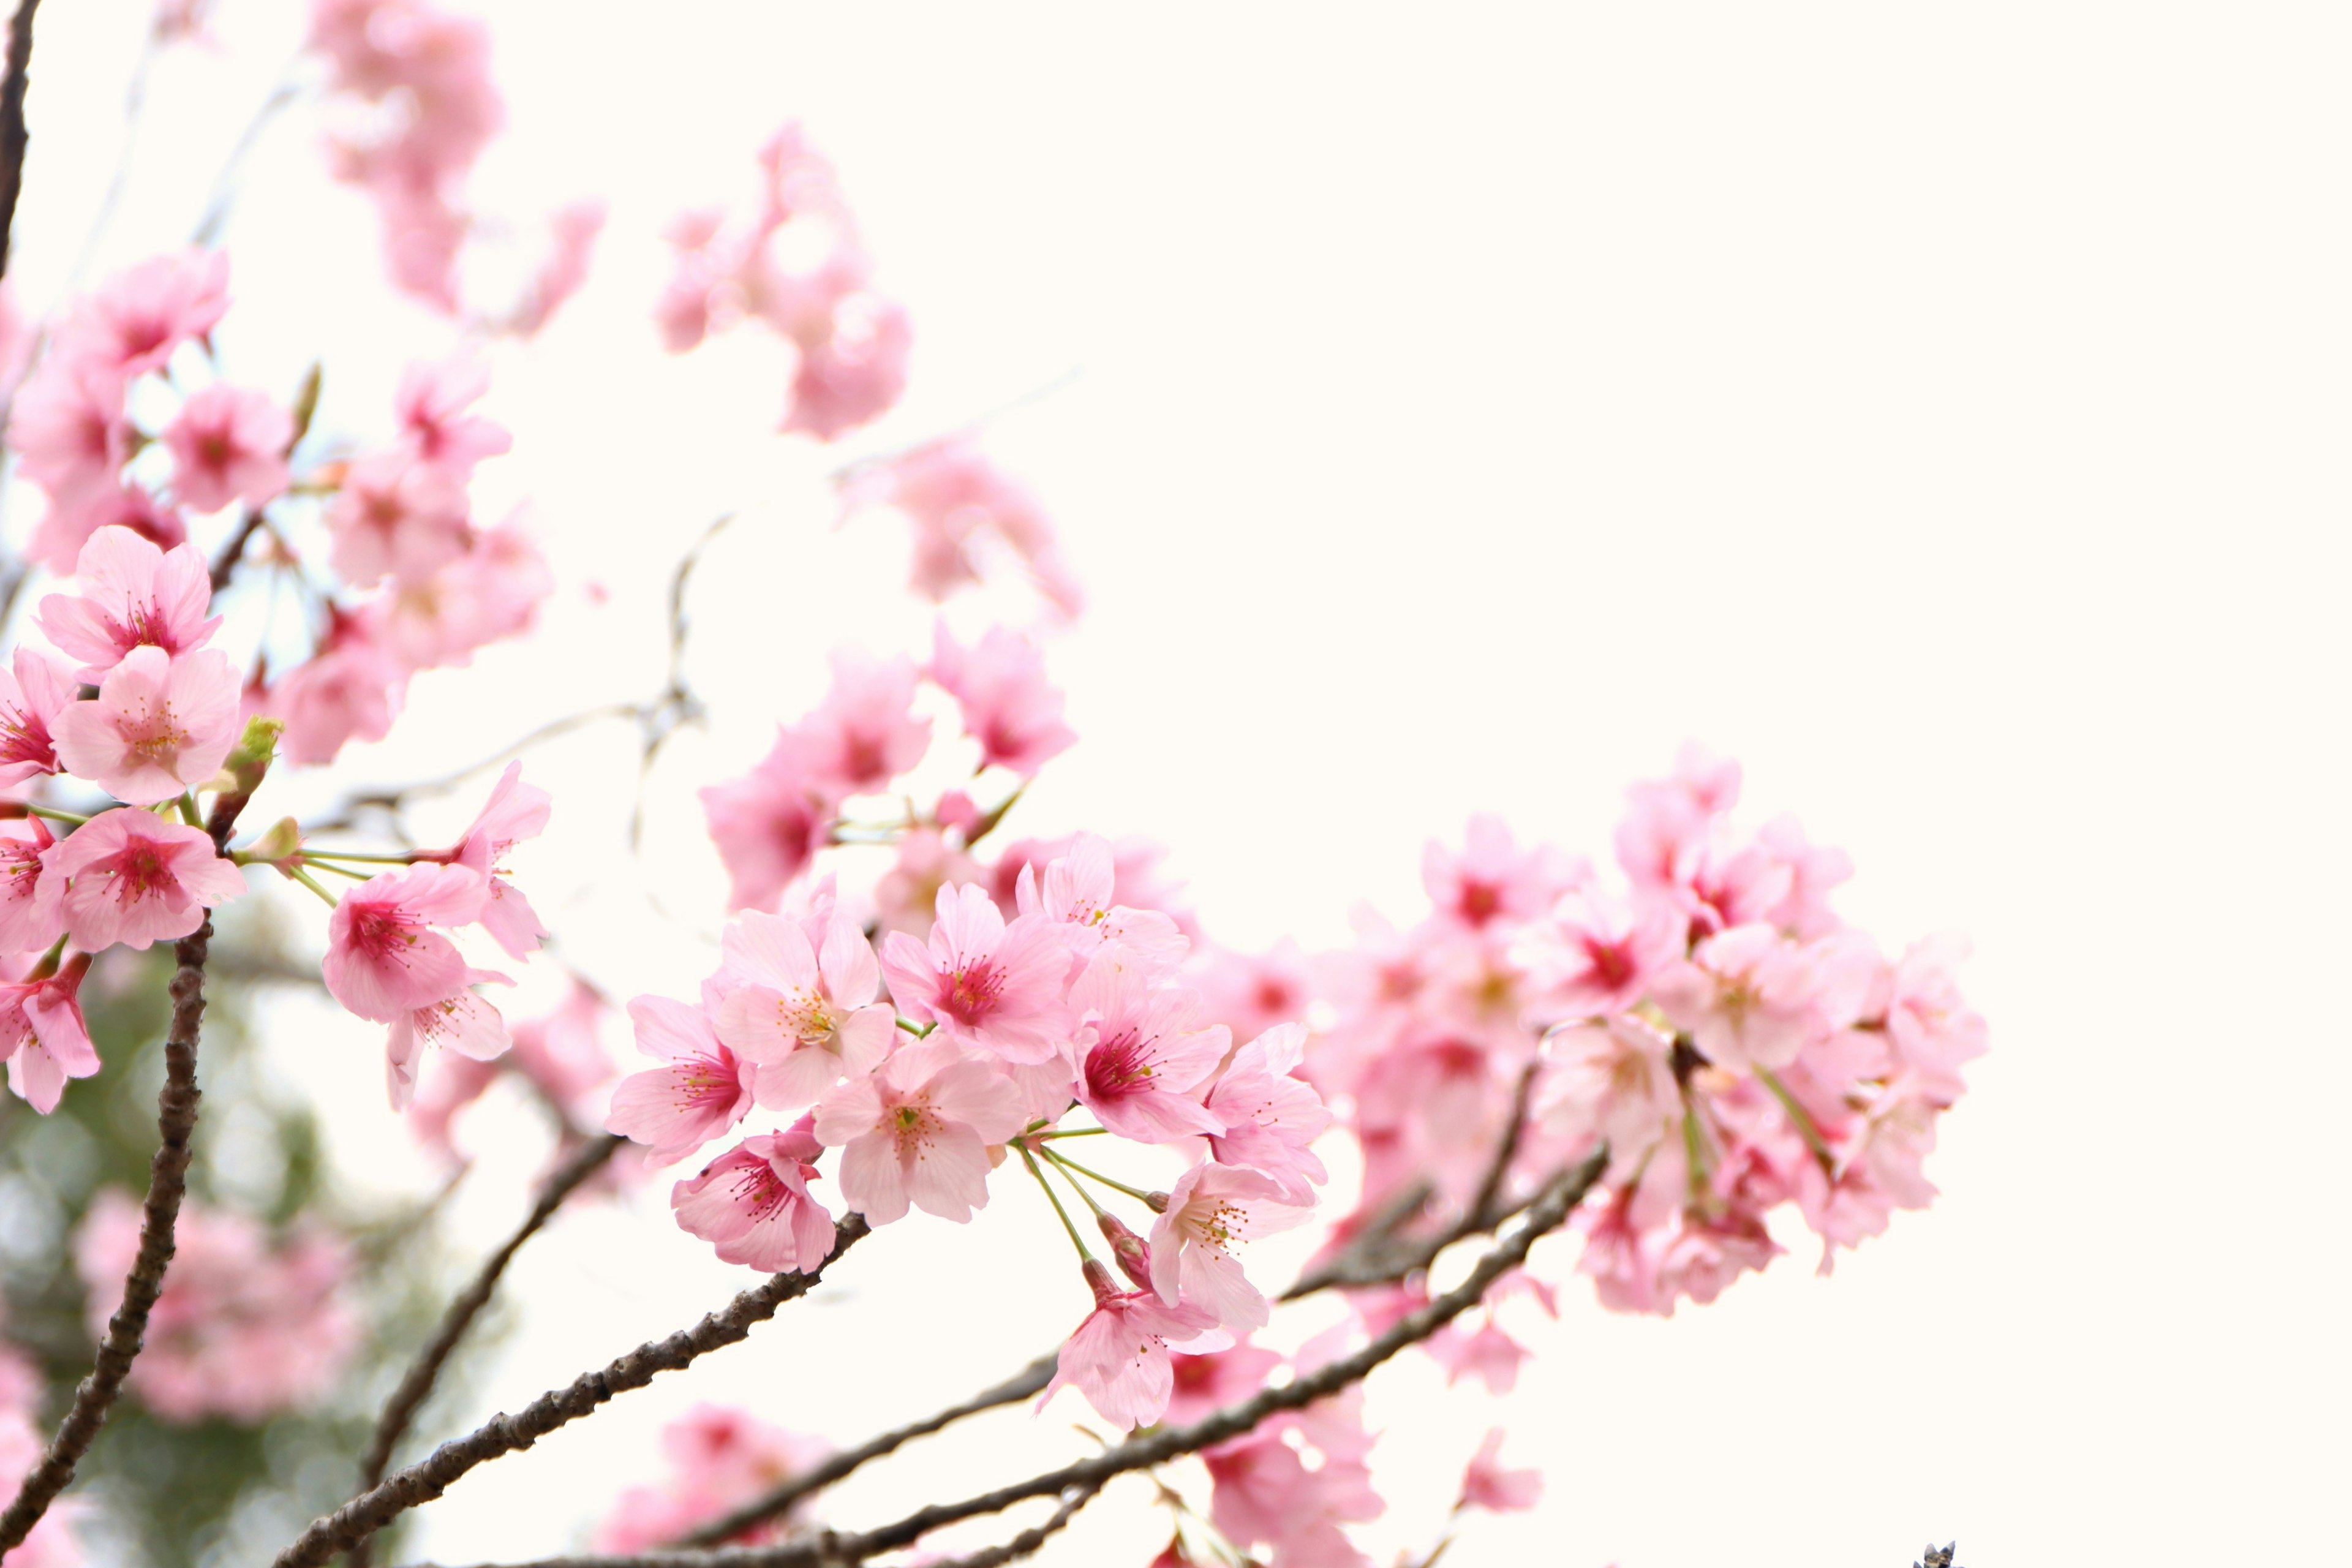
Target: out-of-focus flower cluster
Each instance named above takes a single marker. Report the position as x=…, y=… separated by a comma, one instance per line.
x=719, y=1459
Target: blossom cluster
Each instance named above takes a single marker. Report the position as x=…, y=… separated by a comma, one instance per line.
x=718, y=1458
x=971, y=521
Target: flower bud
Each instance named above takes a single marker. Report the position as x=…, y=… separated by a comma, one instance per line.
x=1134, y=1256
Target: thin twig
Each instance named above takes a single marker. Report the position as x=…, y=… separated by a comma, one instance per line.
x=1028, y=1382
x=13, y=137
x=224, y=565
x=1558, y=1199
x=1026, y=1543
x=167, y=1185
x=503, y=1434
x=417, y=1385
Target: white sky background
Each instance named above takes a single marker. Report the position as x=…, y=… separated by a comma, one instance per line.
x=1942, y=410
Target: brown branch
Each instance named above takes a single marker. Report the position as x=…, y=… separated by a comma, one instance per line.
x=417, y=1385
x=503, y=1434
x=1028, y=1382
x=167, y=1185
x=1027, y=1542
x=1551, y=1209
x=13, y=137
x=224, y=564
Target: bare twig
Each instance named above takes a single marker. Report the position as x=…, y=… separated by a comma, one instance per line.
x=1558, y=1198
x=503, y=1434
x=167, y=1185
x=417, y=1385
x=13, y=137
x=1026, y=1543
x=1026, y=1384
x=224, y=564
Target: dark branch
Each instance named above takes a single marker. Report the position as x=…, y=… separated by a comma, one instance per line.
x=1027, y=1542
x=1026, y=1384
x=417, y=1385
x=1551, y=1209
x=13, y=137
x=503, y=1434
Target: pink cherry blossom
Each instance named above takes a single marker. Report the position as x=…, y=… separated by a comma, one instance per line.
x=70, y=431
x=907, y=894
x=515, y=811
x=1210, y=1209
x=965, y=509
x=43, y=1038
x=31, y=913
x=132, y=595
x=767, y=822
x=917, y=1130
x=1611, y=1081
x=702, y=1089
x=464, y=1021
x=64, y=530
x=1593, y=956
x=807, y=1014
x=1119, y=1356
x=1139, y=877
x=351, y=690
x=138, y=880
x=1745, y=996
x=1270, y=1117
x=430, y=406
x=1931, y=1023
x=1008, y=706
x=1486, y=1484
x=385, y=954
x=395, y=515
x=158, y=726
x=229, y=444
x=1666, y=819
x=34, y=690
x=1207, y=1383
x=1486, y=1353
x=136, y=318
x=718, y=1458
x=1493, y=877
x=1264, y=1493
x=1140, y=1053
x=855, y=371
x=754, y=1201
x=572, y=230
x=491, y=592
x=989, y=986
x=1813, y=870
x=862, y=735
x=1076, y=897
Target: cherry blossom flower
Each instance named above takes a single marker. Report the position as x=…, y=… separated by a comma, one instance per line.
x=515, y=811
x=852, y=374
x=351, y=690
x=1666, y=819
x=990, y=985
x=917, y=1130
x=1008, y=707
x=1076, y=897
x=961, y=505
x=385, y=954
x=1119, y=1356
x=430, y=405
x=34, y=690
x=719, y=1460
x=42, y=1036
x=395, y=515
x=806, y=1014
x=158, y=726
x=1931, y=1025
x=1210, y=1209
x=767, y=822
x=69, y=432
x=229, y=444
x=464, y=1021
x=1745, y=997
x=1593, y=956
x=704, y=1089
x=862, y=736
x=56, y=542
x=1493, y=879
x=1270, y=1117
x=1207, y=1383
x=31, y=914
x=1612, y=1081
x=132, y=595
x=754, y=1201
x=138, y=880
x=1486, y=1484
x=135, y=318
x=1139, y=1053
x=572, y=230
x=1264, y=1493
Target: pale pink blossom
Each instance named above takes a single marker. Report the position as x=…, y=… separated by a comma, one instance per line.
x=1720, y=887
x=718, y=1458
x=702, y=1089
x=906, y=895
x=1813, y=870
x=963, y=510
x=464, y=1021
x=1008, y=706
x=1666, y=819
x=42, y=1036
x=1205, y=1383
x=1493, y=879
x=987, y=984
x=70, y=431
x=351, y=690
x=1486, y=1353
x=515, y=811
x=1075, y=896
x=767, y=822
x=754, y=1203
x=135, y=320
x=34, y=690
x=138, y=880
x=1486, y=1484
x=1252, y=993
x=132, y=594
x=57, y=543
x=492, y=590
x=158, y=726
x=229, y=444
x=1931, y=1023
x=917, y=1130
x=1119, y=1356
x=1746, y=997
x=804, y=1013
x=571, y=244
x=430, y=405
x=1612, y=1080
x=397, y=515
x=31, y=913
x=1593, y=956
x=386, y=951
x=1264, y=1493
x=1140, y=1053
x=249, y=1327
x=1210, y=1209
x=862, y=735
x=852, y=374
x=1270, y=1116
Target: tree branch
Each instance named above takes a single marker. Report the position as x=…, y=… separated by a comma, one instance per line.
x=417, y=1385
x=503, y=1434
x=1026, y=1384
x=13, y=137
x=1026, y=1543
x=1551, y=1209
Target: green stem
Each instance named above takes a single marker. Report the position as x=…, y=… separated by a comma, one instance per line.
x=49, y=959
x=1076, y=1132
x=1805, y=1128
x=338, y=870
x=1068, y=1164
x=919, y=1030
x=188, y=812
x=1061, y=1212
x=310, y=882
x=310, y=854
x=54, y=815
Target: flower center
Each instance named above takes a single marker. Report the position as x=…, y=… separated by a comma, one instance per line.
x=972, y=992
